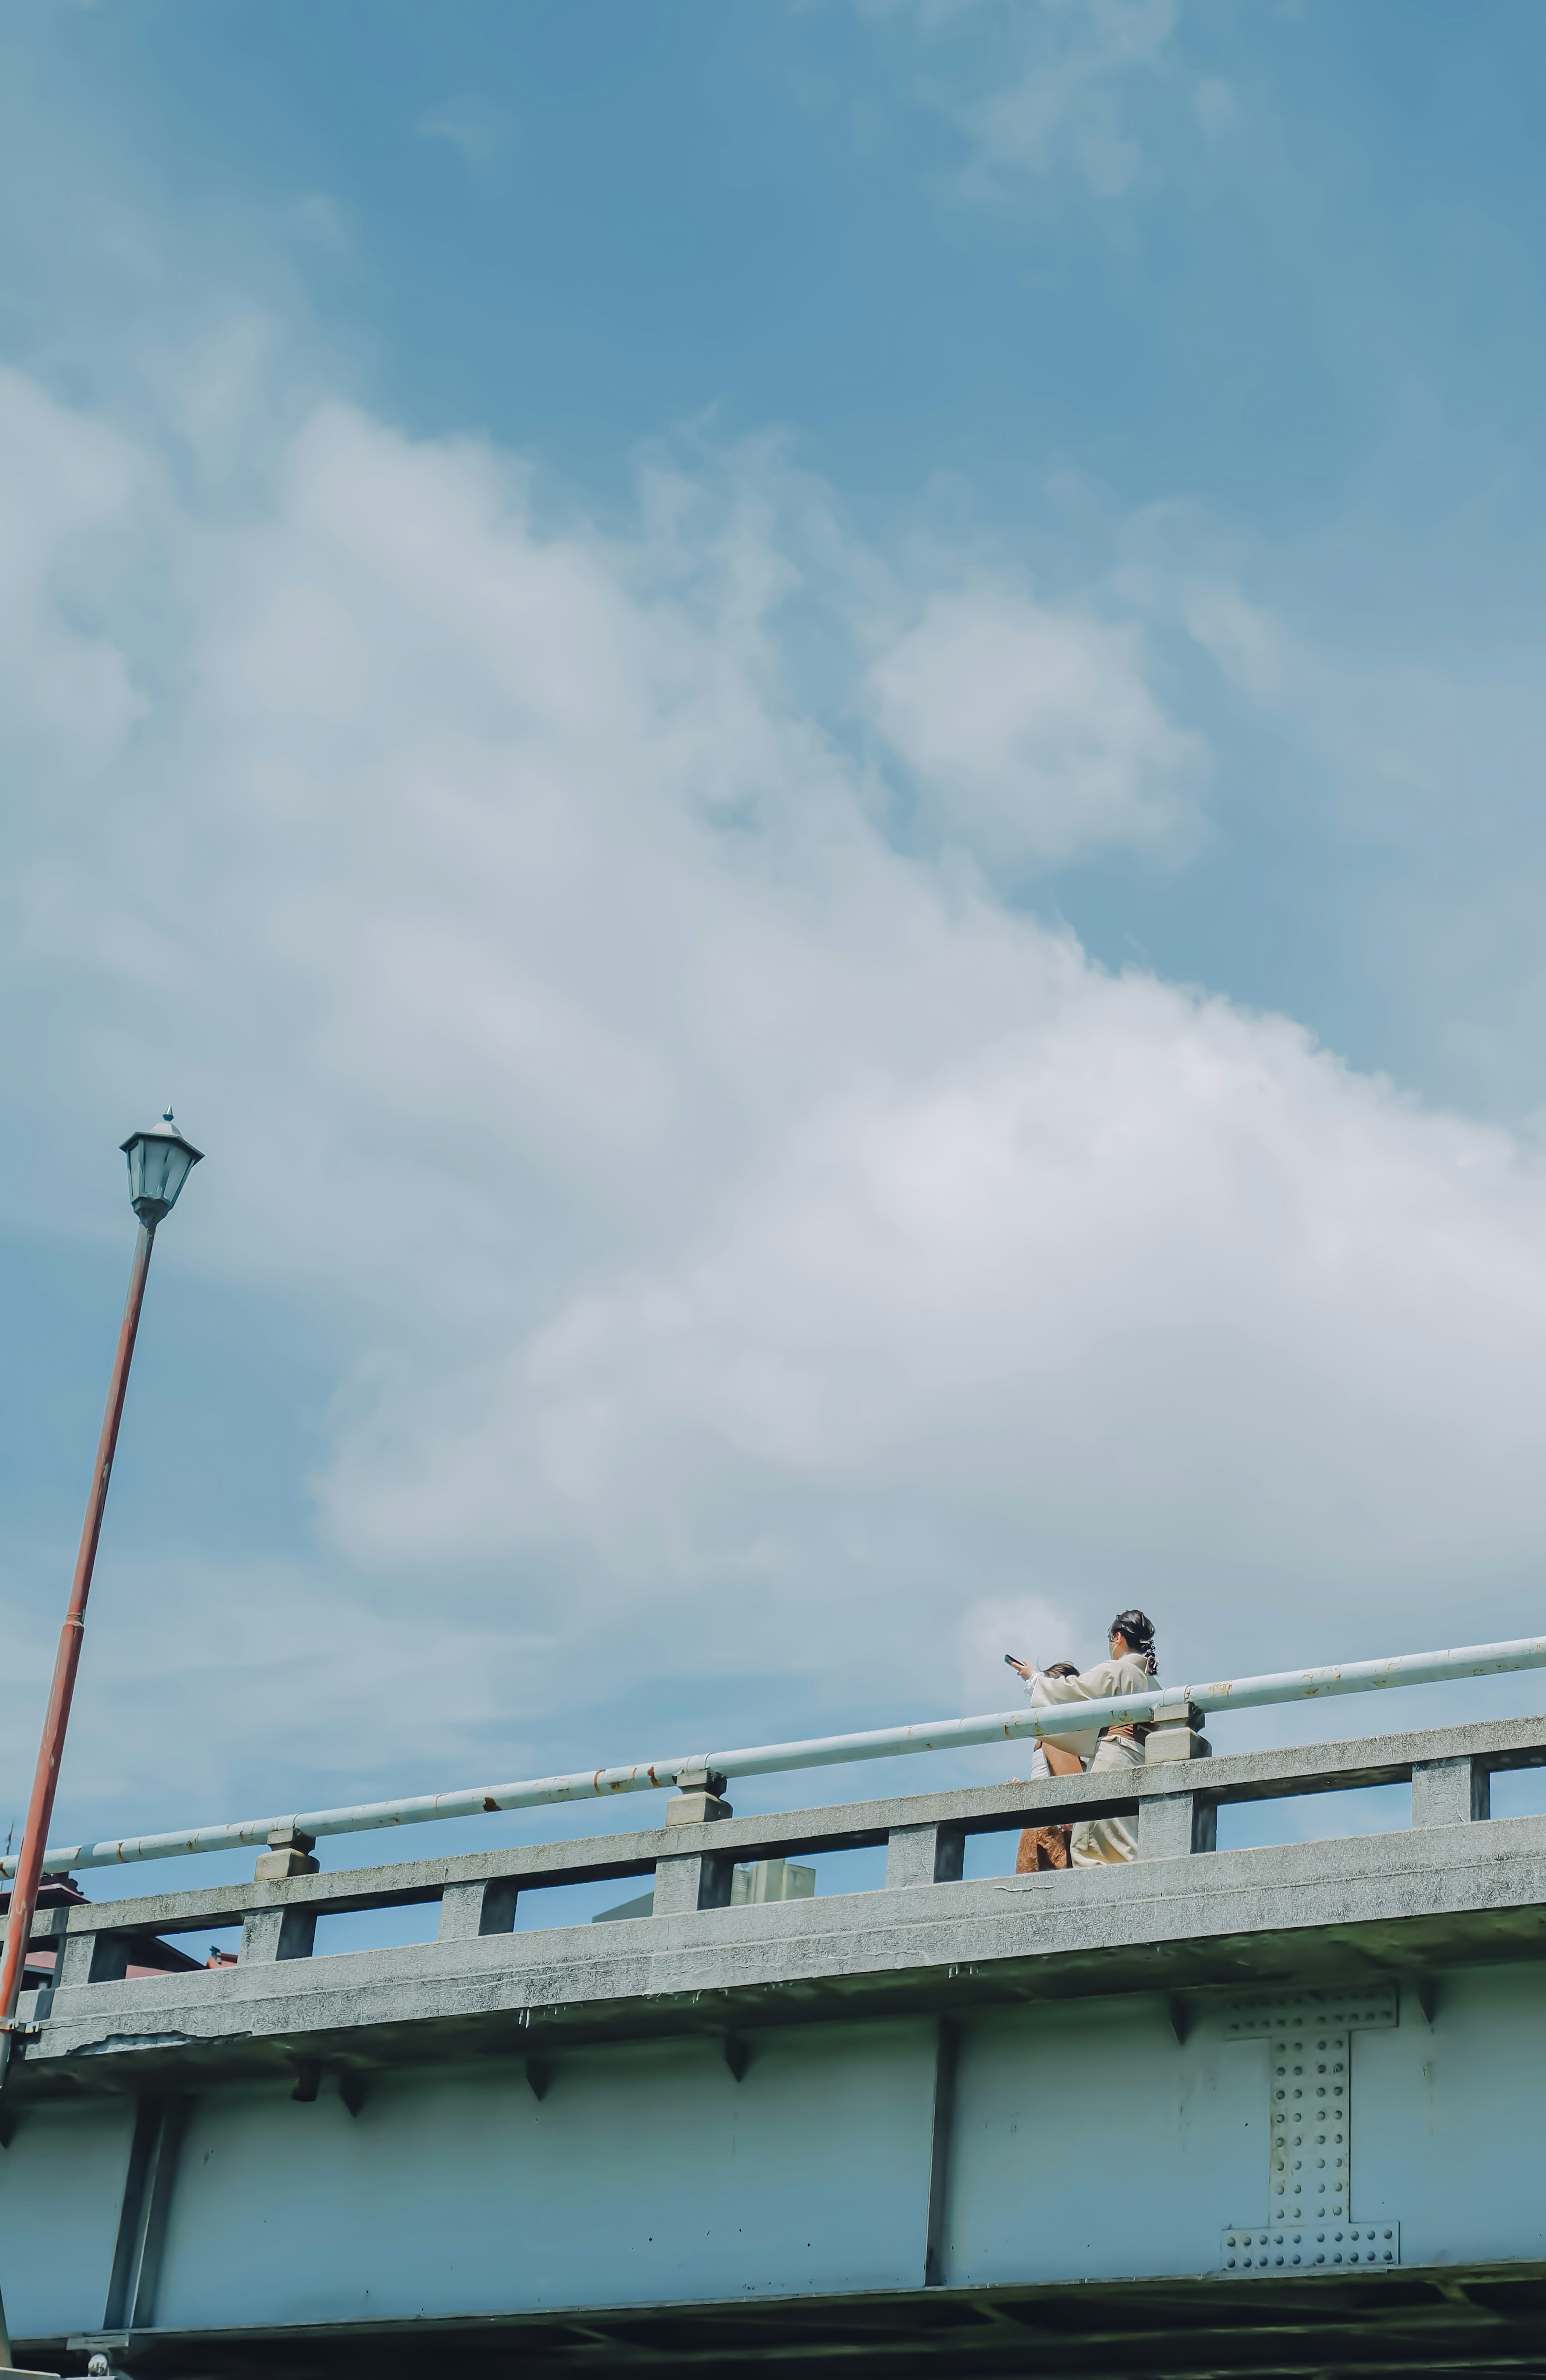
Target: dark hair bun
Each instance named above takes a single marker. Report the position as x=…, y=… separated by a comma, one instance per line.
x=1138, y=1629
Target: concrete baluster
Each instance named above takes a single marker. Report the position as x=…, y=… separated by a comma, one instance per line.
x=93, y=1959
x=1173, y=1825
x=269, y=1933
x=467, y=1911
x=694, y=1880
x=1450, y=1792
x=924, y=1855
x=697, y=1880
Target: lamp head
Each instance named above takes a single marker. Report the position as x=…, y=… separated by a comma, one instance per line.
x=160, y=1161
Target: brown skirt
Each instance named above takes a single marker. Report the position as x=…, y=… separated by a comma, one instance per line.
x=1042, y=1847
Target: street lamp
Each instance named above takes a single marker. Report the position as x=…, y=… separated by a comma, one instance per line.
x=160, y=1161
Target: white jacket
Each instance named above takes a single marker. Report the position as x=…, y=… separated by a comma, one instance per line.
x=1103, y=1683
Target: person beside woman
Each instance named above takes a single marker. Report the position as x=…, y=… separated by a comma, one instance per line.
x=1131, y=1668
x=1047, y=1847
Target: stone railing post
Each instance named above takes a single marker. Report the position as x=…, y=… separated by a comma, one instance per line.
x=696, y=1879
x=269, y=1933
x=924, y=1855
x=467, y=1911
x=1450, y=1792
x=1173, y=1825
x=288, y=1853
x=1175, y=1734
x=91, y=1959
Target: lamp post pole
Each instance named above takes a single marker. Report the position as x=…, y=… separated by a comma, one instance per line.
x=39, y=1810
x=159, y=1163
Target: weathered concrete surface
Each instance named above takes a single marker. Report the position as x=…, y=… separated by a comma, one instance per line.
x=1403, y=1902
x=653, y=2201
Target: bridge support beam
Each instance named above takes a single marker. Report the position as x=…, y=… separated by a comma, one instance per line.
x=937, y=2241
x=147, y=2202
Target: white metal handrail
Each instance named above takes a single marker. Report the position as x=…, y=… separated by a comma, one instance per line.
x=817, y=1751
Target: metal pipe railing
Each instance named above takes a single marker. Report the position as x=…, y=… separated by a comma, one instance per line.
x=817, y=1751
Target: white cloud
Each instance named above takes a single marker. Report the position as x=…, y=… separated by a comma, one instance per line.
x=1068, y=102
x=757, y=1251
x=477, y=129
x=67, y=493
x=1033, y=732
x=1043, y=87
x=1215, y=107
x=215, y=389
x=1248, y=646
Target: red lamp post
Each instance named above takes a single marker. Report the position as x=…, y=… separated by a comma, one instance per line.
x=160, y=1161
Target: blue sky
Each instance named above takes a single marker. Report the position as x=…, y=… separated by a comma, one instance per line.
x=811, y=738
x=1261, y=298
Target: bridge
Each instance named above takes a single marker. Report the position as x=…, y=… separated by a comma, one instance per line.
x=1216, y=2112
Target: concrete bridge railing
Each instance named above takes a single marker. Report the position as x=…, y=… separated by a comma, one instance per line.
x=1175, y=1806
x=948, y=2123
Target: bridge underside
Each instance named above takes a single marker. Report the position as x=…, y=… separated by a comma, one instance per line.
x=1438, y=2322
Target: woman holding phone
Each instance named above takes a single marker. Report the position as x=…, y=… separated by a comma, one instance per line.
x=1131, y=1666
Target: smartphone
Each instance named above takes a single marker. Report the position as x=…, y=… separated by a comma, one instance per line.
x=1013, y=1660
